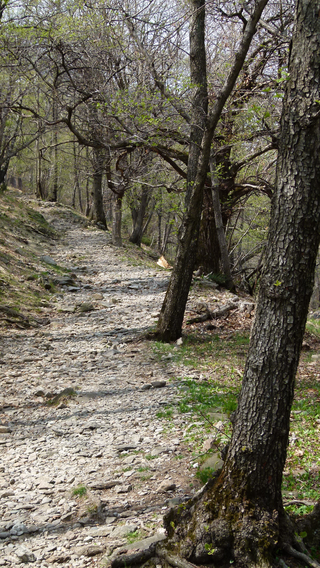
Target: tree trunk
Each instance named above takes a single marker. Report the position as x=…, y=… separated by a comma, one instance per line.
x=172, y=312
x=171, y=316
x=223, y=247
x=40, y=190
x=240, y=515
x=138, y=214
x=159, y=213
x=3, y=175
x=315, y=298
x=77, y=187
x=116, y=219
x=166, y=235
x=87, y=209
x=97, y=211
x=208, y=254
x=151, y=211
x=55, y=182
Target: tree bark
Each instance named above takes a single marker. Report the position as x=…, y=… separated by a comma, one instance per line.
x=116, y=219
x=77, y=188
x=208, y=254
x=171, y=316
x=166, y=235
x=3, y=175
x=224, y=254
x=97, y=211
x=240, y=516
x=55, y=182
x=172, y=312
x=138, y=214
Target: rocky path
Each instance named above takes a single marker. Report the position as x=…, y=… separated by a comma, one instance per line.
x=85, y=461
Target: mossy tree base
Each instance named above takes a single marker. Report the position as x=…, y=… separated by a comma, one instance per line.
x=220, y=526
x=206, y=531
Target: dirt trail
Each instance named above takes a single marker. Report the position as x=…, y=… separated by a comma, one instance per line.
x=78, y=408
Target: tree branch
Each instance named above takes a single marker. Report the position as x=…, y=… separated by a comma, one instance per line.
x=158, y=81
x=250, y=157
x=239, y=59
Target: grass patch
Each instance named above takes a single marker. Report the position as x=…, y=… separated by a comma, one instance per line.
x=313, y=327
x=204, y=352
x=167, y=413
x=298, y=490
x=79, y=491
x=212, y=396
x=302, y=479
x=134, y=536
x=202, y=397
x=205, y=474
x=209, y=395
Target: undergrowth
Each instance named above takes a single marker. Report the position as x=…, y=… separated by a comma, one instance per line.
x=208, y=376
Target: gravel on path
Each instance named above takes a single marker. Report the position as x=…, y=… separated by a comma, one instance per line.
x=85, y=461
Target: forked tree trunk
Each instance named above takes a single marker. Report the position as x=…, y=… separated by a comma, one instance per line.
x=172, y=312
x=240, y=515
x=169, y=325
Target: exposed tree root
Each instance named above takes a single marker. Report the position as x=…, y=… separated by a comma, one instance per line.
x=202, y=533
x=208, y=315
x=134, y=559
x=158, y=551
x=174, y=561
x=282, y=564
x=301, y=556
x=298, y=502
x=310, y=524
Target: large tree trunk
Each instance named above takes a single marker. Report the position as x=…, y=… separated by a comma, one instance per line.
x=171, y=316
x=240, y=516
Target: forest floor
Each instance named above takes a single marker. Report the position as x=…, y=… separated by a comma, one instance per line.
x=102, y=431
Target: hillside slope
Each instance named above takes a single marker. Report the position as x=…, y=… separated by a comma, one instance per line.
x=27, y=273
